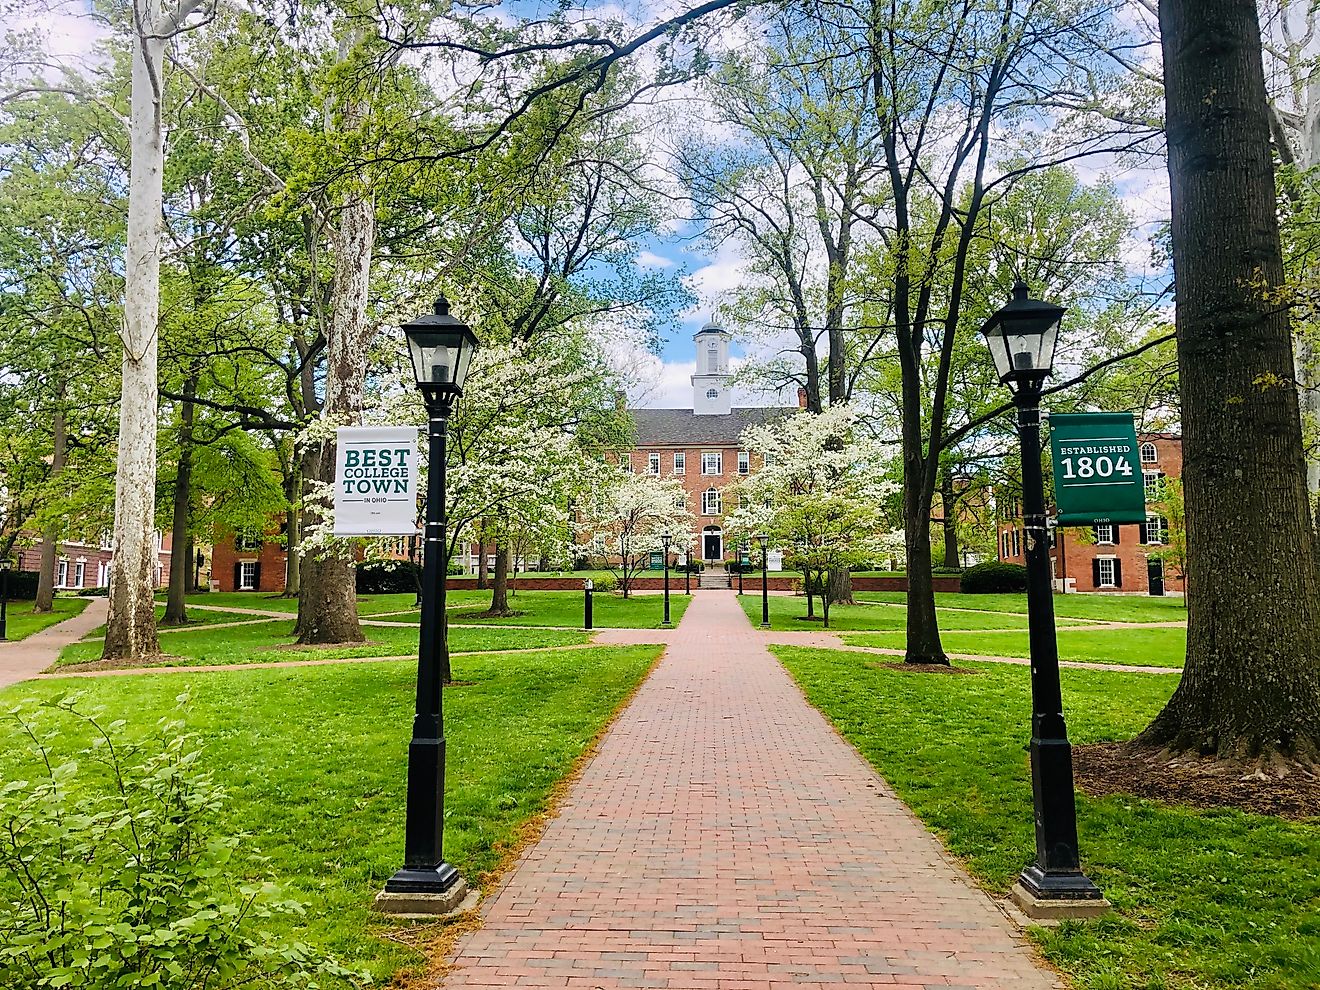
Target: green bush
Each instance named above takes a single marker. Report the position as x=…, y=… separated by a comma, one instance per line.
x=994, y=577
x=21, y=584
x=693, y=566
x=111, y=877
x=606, y=582
x=388, y=577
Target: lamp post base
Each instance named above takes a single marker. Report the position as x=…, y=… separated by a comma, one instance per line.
x=423, y=892
x=1045, y=896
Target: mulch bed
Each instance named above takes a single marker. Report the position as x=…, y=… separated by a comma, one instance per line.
x=1102, y=769
x=923, y=668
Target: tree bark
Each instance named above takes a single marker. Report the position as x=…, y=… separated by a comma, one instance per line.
x=176, y=612
x=923, y=631
x=292, y=538
x=50, y=537
x=482, y=563
x=948, y=504
x=130, y=631
x=1251, y=685
x=499, y=596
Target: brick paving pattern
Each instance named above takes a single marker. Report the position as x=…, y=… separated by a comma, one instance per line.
x=725, y=838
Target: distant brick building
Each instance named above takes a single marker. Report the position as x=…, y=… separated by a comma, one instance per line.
x=1111, y=558
x=702, y=446
x=87, y=565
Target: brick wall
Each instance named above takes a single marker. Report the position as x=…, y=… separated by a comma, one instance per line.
x=270, y=558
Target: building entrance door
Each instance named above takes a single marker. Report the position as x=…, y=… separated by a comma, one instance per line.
x=712, y=544
x=1155, y=576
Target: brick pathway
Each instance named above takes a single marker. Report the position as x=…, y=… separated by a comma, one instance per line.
x=28, y=657
x=725, y=838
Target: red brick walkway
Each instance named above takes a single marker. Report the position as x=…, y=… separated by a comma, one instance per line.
x=725, y=838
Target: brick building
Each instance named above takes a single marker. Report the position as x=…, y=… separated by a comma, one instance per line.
x=247, y=563
x=701, y=446
x=87, y=565
x=1112, y=558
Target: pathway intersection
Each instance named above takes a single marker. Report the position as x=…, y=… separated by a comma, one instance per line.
x=725, y=837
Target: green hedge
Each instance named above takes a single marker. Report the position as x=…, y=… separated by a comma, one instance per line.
x=994, y=577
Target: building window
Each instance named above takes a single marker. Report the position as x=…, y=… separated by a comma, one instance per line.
x=712, y=463
x=62, y=574
x=1104, y=533
x=680, y=502
x=768, y=459
x=625, y=463
x=1157, y=530
x=680, y=463
x=653, y=463
x=1149, y=455
x=245, y=543
x=712, y=393
x=247, y=575
x=1107, y=572
x=107, y=540
x=1017, y=542
x=710, y=502
x=744, y=462
x=102, y=574
x=1152, y=482
x=79, y=573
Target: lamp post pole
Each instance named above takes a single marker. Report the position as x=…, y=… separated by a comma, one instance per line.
x=665, y=541
x=765, y=582
x=587, y=586
x=742, y=551
x=687, y=572
x=4, y=600
x=1022, y=336
x=441, y=350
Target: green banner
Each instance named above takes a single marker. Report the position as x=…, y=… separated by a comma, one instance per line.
x=1097, y=469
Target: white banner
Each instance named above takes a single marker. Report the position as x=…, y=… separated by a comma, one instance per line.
x=376, y=481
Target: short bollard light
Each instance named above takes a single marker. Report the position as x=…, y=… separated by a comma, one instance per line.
x=587, y=587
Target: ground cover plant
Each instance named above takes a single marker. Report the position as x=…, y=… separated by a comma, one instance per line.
x=312, y=764
x=272, y=641
x=21, y=622
x=1138, y=646
x=787, y=612
x=1202, y=898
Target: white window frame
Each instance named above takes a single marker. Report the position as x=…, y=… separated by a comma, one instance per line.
x=744, y=462
x=1101, y=528
x=711, y=459
x=1150, y=482
x=79, y=573
x=1157, y=530
x=652, y=463
x=680, y=502
x=102, y=573
x=680, y=462
x=712, y=393
x=62, y=573
x=1113, y=576
x=625, y=463
x=711, y=502
x=1150, y=448
x=247, y=581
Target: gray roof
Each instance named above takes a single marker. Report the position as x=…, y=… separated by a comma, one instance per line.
x=711, y=327
x=682, y=427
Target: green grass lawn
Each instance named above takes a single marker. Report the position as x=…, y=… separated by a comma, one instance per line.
x=1105, y=608
x=1203, y=899
x=314, y=762
x=1141, y=647
x=261, y=642
x=564, y=608
x=21, y=622
x=196, y=619
x=786, y=612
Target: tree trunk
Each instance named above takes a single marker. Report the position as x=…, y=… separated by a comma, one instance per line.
x=176, y=612
x=810, y=593
x=1251, y=684
x=327, y=600
x=839, y=585
x=499, y=596
x=482, y=563
x=130, y=631
x=948, y=505
x=923, y=630
x=50, y=537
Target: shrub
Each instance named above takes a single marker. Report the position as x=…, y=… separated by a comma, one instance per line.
x=455, y=568
x=94, y=592
x=606, y=582
x=388, y=577
x=994, y=576
x=111, y=875
x=735, y=566
x=22, y=584
x=694, y=566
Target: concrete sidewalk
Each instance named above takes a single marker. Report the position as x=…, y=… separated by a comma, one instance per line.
x=726, y=838
x=29, y=657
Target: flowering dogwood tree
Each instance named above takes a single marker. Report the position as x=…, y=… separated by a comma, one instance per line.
x=820, y=496
x=626, y=519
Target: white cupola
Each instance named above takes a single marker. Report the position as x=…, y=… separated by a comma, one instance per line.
x=711, y=395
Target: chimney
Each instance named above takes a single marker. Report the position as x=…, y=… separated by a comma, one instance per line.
x=802, y=397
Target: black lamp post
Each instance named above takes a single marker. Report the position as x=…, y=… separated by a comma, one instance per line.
x=666, y=538
x=687, y=570
x=1022, y=337
x=742, y=563
x=764, y=541
x=441, y=349
x=4, y=600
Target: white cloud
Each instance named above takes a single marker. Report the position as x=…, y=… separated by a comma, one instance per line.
x=649, y=259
